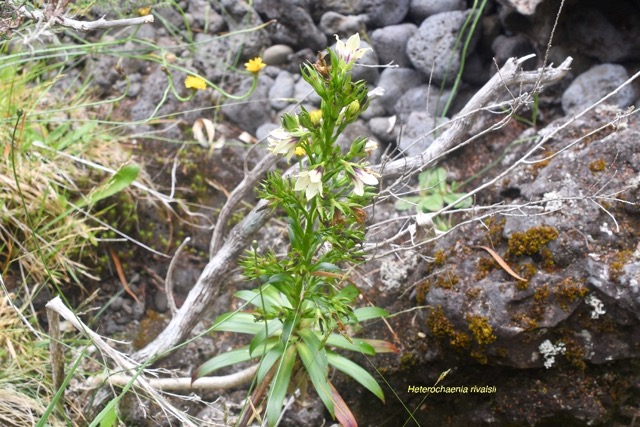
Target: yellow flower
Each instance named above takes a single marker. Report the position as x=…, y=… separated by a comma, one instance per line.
x=194, y=82
x=315, y=116
x=299, y=151
x=255, y=65
x=144, y=11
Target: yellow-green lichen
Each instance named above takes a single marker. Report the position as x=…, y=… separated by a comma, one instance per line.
x=531, y=241
x=481, y=329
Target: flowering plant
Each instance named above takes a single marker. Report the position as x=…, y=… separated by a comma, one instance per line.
x=305, y=302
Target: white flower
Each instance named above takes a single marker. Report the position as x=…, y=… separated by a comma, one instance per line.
x=376, y=93
x=282, y=142
x=350, y=51
x=311, y=182
x=361, y=177
x=370, y=147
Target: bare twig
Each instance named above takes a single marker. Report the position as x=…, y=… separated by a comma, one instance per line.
x=39, y=15
x=509, y=74
x=184, y=384
x=120, y=359
x=168, y=282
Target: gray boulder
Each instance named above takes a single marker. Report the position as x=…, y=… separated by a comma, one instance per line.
x=431, y=49
x=596, y=83
x=390, y=43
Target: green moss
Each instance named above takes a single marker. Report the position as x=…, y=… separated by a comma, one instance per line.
x=150, y=327
x=481, y=329
x=446, y=280
x=441, y=328
x=574, y=353
x=531, y=241
x=407, y=360
x=617, y=263
x=525, y=321
x=472, y=293
x=422, y=289
x=439, y=258
x=485, y=266
x=597, y=165
x=568, y=291
x=542, y=293
x=495, y=230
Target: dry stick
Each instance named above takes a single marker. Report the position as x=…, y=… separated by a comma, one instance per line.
x=248, y=182
x=209, y=284
x=509, y=74
x=121, y=360
x=38, y=15
x=168, y=282
x=55, y=348
x=184, y=384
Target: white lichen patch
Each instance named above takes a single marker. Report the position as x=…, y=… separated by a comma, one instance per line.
x=553, y=201
x=598, y=307
x=550, y=351
x=394, y=272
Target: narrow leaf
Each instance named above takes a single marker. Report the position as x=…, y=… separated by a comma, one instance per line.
x=501, y=261
x=230, y=358
x=280, y=385
x=343, y=413
x=356, y=372
x=239, y=322
x=357, y=344
x=368, y=313
x=316, y=364
x=118, y=182
x=381, y=346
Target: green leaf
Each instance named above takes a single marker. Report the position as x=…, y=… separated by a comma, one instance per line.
x=452, y=197
x=315, y=361
x=271, y=357
x=380, y=346
x=280, y=385
x=109, y=418
x=356, y=372
x=368, y=313
x=349, y=292
x=118, y=182
x=431, y=203
x=273, y=326
x=358, y=345
x=326, y=266
x=239, y=322
x=230, y=358
x=404, y=204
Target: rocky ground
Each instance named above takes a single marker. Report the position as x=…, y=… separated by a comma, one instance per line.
x=562, y=346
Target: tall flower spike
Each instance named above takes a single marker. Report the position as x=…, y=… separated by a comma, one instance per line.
x=350, y=51
x=311, y=182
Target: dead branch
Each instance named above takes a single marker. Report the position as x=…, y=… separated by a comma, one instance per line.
x=55, y=16
x=510, y=74
x=210, y=283
x=184, y=384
